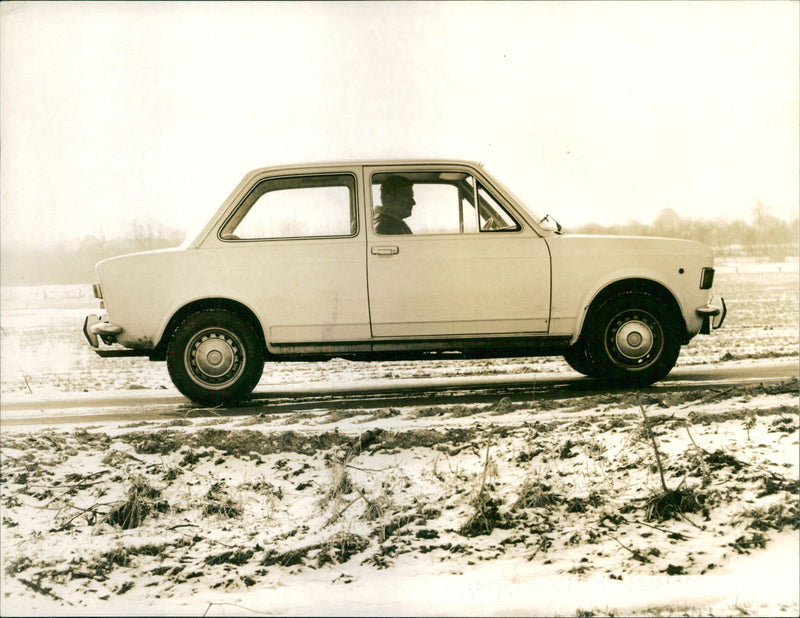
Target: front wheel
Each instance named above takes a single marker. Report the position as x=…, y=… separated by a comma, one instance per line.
x=215, y=357
x=633, y=339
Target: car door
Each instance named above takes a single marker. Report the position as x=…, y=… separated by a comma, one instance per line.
x=470, y=267
x=294, y=248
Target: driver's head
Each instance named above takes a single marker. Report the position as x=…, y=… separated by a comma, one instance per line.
x=397, y=195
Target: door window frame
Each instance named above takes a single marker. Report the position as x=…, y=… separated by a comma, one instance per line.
x=354, y=210
x=512, y=212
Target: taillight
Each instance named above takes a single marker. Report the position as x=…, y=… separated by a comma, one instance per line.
x=707, y=279
x=98, y=293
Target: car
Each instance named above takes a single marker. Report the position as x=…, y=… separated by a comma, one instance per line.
x=383, y=260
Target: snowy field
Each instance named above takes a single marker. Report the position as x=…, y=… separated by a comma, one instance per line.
x=602, y=504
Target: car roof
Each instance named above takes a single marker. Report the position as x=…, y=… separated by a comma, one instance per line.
x=366, y=162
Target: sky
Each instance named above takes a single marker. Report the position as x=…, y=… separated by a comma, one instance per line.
x=603, y=112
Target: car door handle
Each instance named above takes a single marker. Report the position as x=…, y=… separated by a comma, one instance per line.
x=385, y=250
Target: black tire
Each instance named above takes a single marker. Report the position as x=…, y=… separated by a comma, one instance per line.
x=633, y=338
x=577, y=357
x=215, y=357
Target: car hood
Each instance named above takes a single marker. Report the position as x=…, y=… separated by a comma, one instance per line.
x=587, y=244
x=136, y=257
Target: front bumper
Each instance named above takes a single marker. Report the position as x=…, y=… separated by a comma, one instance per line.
x=713, y=314
x=96, y=328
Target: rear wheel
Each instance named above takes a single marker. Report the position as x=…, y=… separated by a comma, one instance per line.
x=215, y=357
x=633, y=339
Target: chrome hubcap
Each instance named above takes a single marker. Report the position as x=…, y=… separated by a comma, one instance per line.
x=634, y=339
x=214, y=358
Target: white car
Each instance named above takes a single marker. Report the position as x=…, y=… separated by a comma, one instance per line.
x=397, y=260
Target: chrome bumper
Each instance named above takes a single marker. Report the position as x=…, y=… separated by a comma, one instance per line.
x=713, y=314
x=95, y=327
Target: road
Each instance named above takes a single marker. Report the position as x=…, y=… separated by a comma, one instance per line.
x=63, y=408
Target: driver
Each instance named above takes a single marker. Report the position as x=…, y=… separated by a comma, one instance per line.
x=397, y=202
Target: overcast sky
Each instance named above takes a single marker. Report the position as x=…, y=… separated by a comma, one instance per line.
x=592, y=112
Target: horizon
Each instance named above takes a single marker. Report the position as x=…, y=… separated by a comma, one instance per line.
x=160, y=231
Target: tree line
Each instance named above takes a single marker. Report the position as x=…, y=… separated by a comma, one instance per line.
x=74, y=261
x=764, y=235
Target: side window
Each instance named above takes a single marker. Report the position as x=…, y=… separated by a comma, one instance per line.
x=494, y=217
x=424, y=203
x=295, y=207
x=434, y=202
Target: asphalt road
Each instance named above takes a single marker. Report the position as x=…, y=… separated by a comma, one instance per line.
x=153, y=405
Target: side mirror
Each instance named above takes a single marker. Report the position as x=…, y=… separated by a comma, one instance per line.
x=551, y=224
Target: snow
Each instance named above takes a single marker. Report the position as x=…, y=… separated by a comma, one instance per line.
x=502, y=588
x=429, y=463
x=501, y=573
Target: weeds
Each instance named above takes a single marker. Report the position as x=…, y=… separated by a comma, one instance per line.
x=669, y=503
x=720, y=459
x=708, y=418
x=775, y=517
x=536, y=495
x=580, y=505
x=504, y=406
x=142, y=499
x=750, y=423
x=336, y=550
x=674, y=504
x=397, y=523
x=699, y=456
x=237, y=443
x=746, y=542
x=565, y=450
x=639, y=556
x=648, y=434
x=340, y=548
x=18, y=565
x=377, y=508
x=236, y=557
x=784, y=424
x=289, y=558
x=773, y=483
x=341, y=484
x=218, y=501
x=486, y=516
x=263, y=487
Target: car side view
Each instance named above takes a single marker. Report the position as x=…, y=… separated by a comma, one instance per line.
x=397, y=260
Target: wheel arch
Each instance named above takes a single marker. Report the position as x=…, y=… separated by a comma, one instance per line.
x=201, y=304
x=635, y=284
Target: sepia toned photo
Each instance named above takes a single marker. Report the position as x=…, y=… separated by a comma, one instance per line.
x=399, y=308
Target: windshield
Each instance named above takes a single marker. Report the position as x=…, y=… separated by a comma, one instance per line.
x=546, y=222
x=536, y=217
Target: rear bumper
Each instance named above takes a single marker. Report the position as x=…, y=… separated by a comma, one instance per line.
x=97, y=328
x=713, y=314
